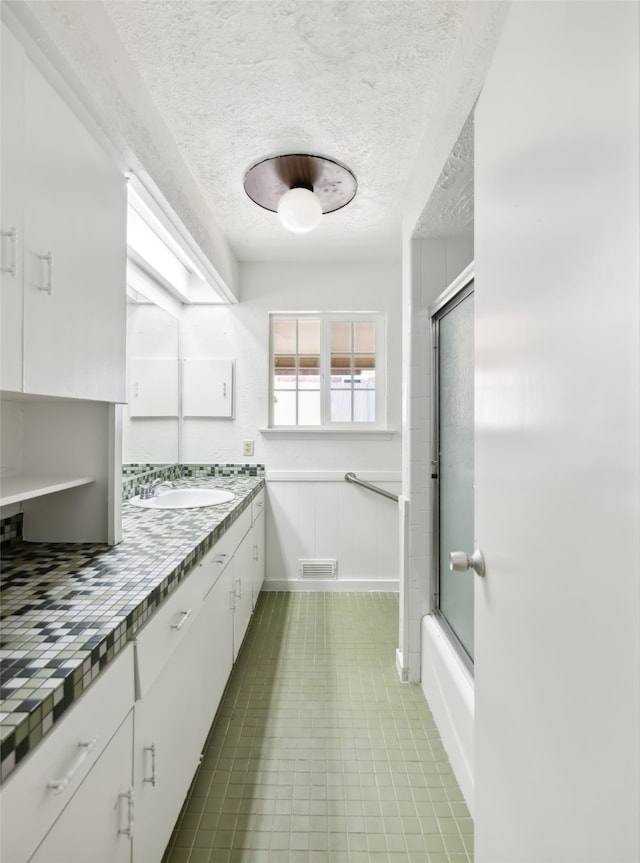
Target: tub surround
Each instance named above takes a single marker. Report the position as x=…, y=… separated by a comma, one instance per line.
x=68, y=609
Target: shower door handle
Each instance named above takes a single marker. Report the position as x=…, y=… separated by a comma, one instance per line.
x=459, y=561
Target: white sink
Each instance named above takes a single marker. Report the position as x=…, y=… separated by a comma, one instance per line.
x=183, y=498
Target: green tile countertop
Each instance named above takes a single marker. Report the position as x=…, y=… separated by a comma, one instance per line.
x=68, y=609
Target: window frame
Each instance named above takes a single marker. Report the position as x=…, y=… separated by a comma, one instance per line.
x=326, y=319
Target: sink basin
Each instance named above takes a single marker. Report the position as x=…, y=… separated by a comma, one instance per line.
x=184, y=498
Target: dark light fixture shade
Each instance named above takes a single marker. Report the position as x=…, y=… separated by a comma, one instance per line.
x=267, y=181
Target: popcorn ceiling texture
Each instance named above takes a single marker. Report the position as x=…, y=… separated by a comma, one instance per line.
x=239, y=81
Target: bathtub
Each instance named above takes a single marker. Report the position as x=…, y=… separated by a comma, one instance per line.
x=448, y=687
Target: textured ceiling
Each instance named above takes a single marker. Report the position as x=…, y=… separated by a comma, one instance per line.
x=236, y=81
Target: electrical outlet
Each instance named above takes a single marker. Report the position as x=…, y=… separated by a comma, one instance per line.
x=247, y=447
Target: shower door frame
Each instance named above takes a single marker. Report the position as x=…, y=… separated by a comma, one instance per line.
x=458, y=291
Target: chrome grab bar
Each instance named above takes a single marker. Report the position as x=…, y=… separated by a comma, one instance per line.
x=351, y=477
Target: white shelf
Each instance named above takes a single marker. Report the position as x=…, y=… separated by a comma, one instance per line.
x=19, y=487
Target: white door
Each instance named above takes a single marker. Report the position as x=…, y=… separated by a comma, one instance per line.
x=557, y=514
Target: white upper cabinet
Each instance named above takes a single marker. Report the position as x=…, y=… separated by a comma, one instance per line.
x=207, y=388
x=11, y=207
x=67, y=201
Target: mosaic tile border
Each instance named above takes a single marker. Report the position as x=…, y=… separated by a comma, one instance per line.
x=133, y=481
x=136, y=475
x=68, y=610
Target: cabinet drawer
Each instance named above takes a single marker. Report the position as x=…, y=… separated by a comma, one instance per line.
x=165, y=631
x=257, y=505
x=30, y=805
x=215, y=561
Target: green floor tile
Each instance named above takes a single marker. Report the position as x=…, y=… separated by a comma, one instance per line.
x=319, y=754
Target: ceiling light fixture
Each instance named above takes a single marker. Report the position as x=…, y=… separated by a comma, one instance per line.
x=300, y=188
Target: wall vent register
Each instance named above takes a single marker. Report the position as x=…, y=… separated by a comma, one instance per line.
x=318, y=568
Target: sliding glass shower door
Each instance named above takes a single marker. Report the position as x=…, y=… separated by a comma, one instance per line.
x=453, y=332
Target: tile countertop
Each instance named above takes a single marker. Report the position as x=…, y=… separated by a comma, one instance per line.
x=68, y=609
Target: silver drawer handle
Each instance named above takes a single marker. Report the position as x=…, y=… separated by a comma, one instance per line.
x=12, y=269
x=221, y=558
x=48, y=259
x=183, y=619
x=128, y=830
x=238, y=590
x=58, y=785
x=152, y=778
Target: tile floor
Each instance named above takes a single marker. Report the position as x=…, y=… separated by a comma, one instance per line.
x=318, y=753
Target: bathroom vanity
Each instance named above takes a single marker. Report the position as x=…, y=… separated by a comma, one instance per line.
x=122, y=655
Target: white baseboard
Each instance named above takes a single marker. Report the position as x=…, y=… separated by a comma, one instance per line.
x=401, y=668
x=355, y=585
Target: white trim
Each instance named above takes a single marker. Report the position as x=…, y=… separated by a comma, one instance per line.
x=354, y=585
x=170, y=227
x=457, y=285
x=326, y=318
x=316, y=433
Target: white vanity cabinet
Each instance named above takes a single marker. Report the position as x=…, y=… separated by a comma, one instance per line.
x=108, y=781
x=63, y=245
x=54, y=806
x=243, y=592
x=257, y=544
x=167, y=738
x=98, y=823
x=215, y=633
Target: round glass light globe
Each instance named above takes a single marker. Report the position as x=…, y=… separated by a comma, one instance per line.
x=299, y=210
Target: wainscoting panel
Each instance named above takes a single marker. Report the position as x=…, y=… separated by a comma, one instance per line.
x=317, y=515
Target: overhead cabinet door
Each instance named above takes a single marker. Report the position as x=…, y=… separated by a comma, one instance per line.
x=74, y=254
x=12, y=145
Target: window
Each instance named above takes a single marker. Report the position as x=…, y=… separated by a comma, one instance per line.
x=327, y=370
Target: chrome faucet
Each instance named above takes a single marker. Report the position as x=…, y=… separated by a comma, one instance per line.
x=151, y=489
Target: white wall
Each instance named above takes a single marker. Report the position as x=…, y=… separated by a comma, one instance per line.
x=311, y=512
x=557, y=674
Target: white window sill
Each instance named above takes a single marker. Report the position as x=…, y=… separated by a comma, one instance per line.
x=311, y=433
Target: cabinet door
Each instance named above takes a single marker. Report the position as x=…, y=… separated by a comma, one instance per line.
x=74, y=254
x=97, y=822
x=216, y=639
x=207, y=388
x=167, y=747
x=257, y=548
x=11, y=219
x=43, y=786
x=242, y=581
x=153, y=387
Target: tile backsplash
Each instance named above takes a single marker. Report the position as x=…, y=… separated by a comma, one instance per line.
x=136, y=475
